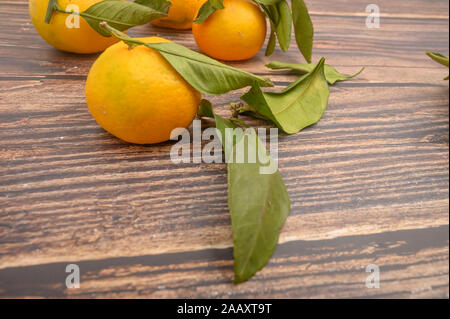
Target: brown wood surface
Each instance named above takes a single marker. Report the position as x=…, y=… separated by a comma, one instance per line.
x=369, y=183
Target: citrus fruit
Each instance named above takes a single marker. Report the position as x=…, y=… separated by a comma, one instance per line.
x=181, y=14
x=137, y=96
x=77, y=40
x=235, y=33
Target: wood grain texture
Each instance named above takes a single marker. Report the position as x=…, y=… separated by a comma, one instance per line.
x=369, y=184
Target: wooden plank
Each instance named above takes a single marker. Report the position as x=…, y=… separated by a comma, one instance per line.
x=413, y=265
x=369, y=183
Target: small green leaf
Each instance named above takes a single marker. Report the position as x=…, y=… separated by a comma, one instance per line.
x=272, y=13
x=205, y=109
x=259, y=203
x=120, y=15
x=268, y=2
x=439, y=58
x=298, y=106
x=208, y=8
x=272, y=41
x=303, y=28
x=284, y=27
x=50, y=9
x=331, y=74
x=280, y=18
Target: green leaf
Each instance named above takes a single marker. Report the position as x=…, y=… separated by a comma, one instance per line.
x=206, y=74
x=268, y=2
x=50, y=9
x=284, y=27
x=120, y=15
x=272, y=41
x=439, y=58
x=259, y=203
x=298, y=106
x=158, y=5
x=208, y=8
x=331, y=74
x=280, y=18
x=272, y=13
x=203, y=73
x=303, y=28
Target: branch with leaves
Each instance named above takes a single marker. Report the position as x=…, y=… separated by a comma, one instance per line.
x=121, y=15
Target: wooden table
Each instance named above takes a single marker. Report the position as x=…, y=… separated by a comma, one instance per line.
x=369, y=183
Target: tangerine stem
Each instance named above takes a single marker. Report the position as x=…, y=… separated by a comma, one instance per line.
x=120, y=35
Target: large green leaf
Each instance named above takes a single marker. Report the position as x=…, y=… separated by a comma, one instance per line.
x=120, y=15
x=205, y=74
x=298, y=106
x=158, y=5
x=259, y=203
x=331, y=74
